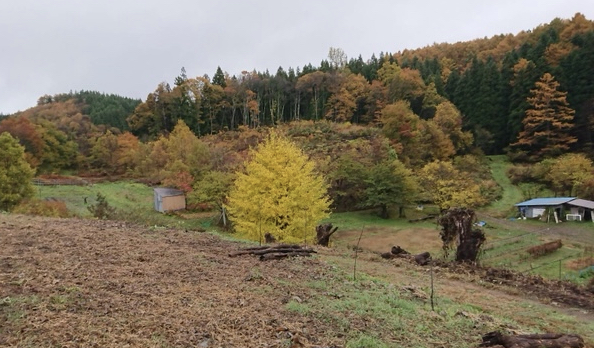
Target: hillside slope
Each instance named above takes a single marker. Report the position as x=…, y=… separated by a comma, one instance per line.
x=109, y=284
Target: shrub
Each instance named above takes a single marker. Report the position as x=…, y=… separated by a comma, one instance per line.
x=546, y=248
x=43, y=208
x=102, y=209
x=519, y=173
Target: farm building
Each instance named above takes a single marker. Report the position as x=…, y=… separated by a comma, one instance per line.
x=168, y=199
x=559, y=208
x=539, y=207
x=580, y=209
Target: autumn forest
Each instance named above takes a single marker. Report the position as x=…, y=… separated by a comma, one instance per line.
x=391, y=130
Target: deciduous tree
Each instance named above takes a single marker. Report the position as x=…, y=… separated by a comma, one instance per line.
x=447, y=187
x=390, y=183
x=548, y=121
x=15, y=173
x=278, y=193
x=569, y=172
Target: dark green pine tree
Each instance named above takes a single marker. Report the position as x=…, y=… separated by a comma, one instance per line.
x=525, y=75
x=219, y=78
x=182, y=106
x=490, y=111
x=576, y=73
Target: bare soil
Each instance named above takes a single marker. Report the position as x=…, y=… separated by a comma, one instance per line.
x=89, y=283
x=414, y=239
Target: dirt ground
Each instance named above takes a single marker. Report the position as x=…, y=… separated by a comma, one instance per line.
x=414, y=240
x=88, y=283
x=85, y=283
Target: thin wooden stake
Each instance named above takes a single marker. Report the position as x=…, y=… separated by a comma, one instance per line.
x=432, y=288
x=356, y=254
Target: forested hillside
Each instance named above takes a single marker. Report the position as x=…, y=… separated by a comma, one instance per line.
x=488, y=80
x=432, y=111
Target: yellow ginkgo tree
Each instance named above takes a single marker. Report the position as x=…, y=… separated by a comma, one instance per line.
x=279, y=193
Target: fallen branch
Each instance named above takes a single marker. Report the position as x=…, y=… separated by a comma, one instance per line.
x=496, y=338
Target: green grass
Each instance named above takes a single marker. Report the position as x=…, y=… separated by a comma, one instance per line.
x=511, y=193
x=133, y=202
x=368, y=218
x=375, y=312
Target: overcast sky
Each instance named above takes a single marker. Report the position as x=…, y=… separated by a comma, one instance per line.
x=127, y=47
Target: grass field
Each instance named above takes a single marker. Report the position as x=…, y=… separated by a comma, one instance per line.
x=133, y=202
x=505, y=247
x=503, y=207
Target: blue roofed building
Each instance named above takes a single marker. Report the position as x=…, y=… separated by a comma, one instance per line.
x=559, y=208
x=539, y=207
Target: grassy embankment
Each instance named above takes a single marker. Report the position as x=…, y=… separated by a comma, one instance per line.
x=132, y=201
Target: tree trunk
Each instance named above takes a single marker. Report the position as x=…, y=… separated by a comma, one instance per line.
x=323, y=233
x=496, y=339
x=384, y=211
x=401, y=213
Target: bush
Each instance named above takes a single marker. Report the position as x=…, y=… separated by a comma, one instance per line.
x=102, y=209
x=43, y=208
x=520, y=173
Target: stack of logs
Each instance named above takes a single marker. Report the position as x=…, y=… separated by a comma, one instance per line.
x=274, y=252
x=397, y=252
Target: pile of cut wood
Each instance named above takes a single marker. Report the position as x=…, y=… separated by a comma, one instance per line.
x=397, y=252
x=274, y=252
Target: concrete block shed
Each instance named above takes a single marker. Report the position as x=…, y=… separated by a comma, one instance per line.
x=168, y=199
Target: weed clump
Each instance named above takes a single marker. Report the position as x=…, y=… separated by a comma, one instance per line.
x=101, y=209
x=49, y=208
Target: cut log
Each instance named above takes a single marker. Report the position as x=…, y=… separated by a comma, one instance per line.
x=389, y=256
x=323, y=234
x=280, y=255
x=496, y=338
x=278, y=249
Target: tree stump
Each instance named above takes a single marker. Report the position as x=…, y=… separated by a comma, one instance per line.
x=323, y=234
x=423, y=259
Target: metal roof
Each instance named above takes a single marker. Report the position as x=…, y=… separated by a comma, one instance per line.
x=164, y=191
x=582, y=203
x=545, y=201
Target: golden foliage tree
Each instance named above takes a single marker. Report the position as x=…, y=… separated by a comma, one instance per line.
x=449, y=188
x=15, y=173
x=569, y=172
x=548, y=121
x=278, y=193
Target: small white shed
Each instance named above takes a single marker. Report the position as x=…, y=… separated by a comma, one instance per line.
x=168, y=199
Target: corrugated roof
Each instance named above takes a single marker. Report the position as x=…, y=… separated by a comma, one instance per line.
x=164, y=191
x=582, y=203
x=545, y=201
